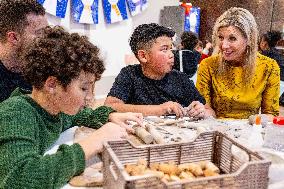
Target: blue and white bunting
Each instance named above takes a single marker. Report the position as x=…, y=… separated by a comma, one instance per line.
x=55, y=7
x=85, y=11
x=144, y=4
x=192, y=20
x=114, y=10
x=136, y=6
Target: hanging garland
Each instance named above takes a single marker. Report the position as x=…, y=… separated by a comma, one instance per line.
x=55, y=7
x=114, y=11
x=86, y=11
x=136, y=6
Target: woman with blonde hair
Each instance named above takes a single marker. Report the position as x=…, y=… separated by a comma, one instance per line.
x=237, y=81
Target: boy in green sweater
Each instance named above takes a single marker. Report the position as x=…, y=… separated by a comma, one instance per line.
x=62, y=69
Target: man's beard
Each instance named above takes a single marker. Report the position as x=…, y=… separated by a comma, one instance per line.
x=19, y=57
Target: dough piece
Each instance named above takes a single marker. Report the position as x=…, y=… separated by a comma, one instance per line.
x=186, y=175
x=210, y=166
x=192, y=167
x=92, y=176
x=143, y=134
x=209, y=172
x=174, y=178
x=166, y=178
x=169, y=169
x=154, y=166
x=158, y=174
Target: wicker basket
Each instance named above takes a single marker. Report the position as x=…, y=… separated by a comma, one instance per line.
x=212, y=146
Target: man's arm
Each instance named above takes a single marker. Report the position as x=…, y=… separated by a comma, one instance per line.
x=146, y=110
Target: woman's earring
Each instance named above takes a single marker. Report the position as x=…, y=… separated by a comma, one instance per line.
x=247, y=53
x=247, y=50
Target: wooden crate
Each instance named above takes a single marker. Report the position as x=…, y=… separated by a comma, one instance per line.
x=211, y=146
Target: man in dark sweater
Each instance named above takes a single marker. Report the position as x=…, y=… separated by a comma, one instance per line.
x=153, y=87
x=187, y=55
x=20, y=22
x=267, y=47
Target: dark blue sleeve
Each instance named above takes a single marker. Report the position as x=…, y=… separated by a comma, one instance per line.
x=280, y=61
x=190, y=61
x=122, y=85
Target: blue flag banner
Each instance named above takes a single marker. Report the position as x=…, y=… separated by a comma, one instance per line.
x=114, y=10
x=85, y=11
x=136, y=6
x=192, y=20
x=55, y=7
x=144, y=4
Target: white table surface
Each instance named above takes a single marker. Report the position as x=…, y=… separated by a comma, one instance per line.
x=276, y=171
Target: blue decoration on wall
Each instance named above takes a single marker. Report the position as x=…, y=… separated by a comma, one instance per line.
x=144, y=4
x=85, y=11
x=40, y=1
x=55, y=7
x=114, y=10
x=192, y=20
x=61, y=8
x=136, y=6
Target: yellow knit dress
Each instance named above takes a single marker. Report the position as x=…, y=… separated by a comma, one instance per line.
x=230, y=97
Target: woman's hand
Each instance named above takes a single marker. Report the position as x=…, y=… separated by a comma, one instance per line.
x=93, y=144
x=196, y=109
x=122, y=118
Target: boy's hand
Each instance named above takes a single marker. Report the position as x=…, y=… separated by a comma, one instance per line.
x=122, y=119
x=93, y=144
x=173, y=108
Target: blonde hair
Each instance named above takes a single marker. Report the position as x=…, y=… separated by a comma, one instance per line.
x=245, y=22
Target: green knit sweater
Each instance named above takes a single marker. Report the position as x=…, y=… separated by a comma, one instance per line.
x=27, y=131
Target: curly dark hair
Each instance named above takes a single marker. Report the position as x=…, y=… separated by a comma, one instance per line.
x=189, y=40
x=14, y=15
x=62, y=55
x=272, y=37
x=145, y=34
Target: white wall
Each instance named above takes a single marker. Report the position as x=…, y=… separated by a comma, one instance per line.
x=112, y=38
x=152, y=13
